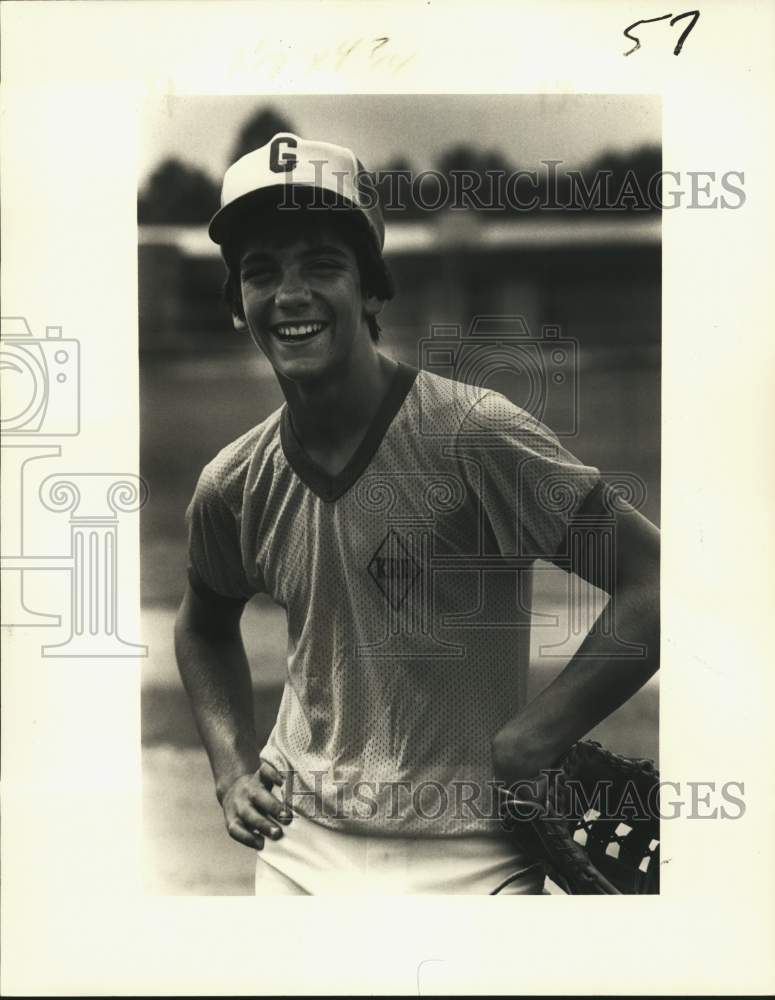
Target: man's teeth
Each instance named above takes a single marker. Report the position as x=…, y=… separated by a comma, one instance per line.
x=298, y=329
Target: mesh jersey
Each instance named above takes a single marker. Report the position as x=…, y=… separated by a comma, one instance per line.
x=406, y=585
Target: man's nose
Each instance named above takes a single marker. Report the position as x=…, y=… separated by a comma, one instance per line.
x=292, y=288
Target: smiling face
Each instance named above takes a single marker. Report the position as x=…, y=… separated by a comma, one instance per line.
x=302, y=297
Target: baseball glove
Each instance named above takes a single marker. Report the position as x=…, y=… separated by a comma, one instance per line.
x=594, y=820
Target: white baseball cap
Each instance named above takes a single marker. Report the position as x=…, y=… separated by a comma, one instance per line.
x=286, y=161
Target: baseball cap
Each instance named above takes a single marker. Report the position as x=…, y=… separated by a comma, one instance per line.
x=287, y=160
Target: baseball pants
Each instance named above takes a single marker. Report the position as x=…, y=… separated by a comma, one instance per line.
x=312, y=860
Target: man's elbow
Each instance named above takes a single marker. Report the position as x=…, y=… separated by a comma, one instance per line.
x=640, y=574
x=637, y=555
x=183, y=619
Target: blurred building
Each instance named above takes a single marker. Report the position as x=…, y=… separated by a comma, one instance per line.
x=597, y=280
x=595, y=283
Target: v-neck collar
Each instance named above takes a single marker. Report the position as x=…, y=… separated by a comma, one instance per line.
x=330, y=488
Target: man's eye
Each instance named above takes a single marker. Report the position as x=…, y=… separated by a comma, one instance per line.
x=323, y=264
x=257, y=274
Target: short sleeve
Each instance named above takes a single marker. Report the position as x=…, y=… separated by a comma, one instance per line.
x=215, y=564
x=531, y=487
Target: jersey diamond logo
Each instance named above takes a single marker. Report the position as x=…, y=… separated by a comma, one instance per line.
x=393, y=569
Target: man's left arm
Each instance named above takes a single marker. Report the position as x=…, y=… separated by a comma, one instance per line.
x=598, y=679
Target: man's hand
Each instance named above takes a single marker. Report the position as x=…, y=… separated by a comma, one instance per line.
x=214, y=668
x=251, y=809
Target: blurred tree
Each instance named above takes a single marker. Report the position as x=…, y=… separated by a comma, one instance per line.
x=496, y=169
x=487, y=168
x=459, y=157
x=177, y=194
x=258, y=130
x=625, y=179
x=630, y=179
x=393, y=183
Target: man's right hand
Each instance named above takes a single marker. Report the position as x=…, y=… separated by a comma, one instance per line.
x=251, y=809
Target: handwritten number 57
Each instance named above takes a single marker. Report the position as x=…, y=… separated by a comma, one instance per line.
x=693, y=14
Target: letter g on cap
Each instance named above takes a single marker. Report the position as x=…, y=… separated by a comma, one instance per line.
x=280, y=160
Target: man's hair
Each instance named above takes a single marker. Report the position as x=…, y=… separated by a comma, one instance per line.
x=349, y=225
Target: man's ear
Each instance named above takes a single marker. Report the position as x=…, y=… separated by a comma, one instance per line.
x=372, y=305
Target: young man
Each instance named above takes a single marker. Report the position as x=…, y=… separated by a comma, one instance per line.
x=394, y=515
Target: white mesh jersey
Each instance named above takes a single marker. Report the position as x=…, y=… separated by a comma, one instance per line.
x=406, y=584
